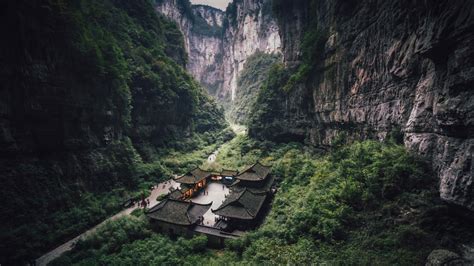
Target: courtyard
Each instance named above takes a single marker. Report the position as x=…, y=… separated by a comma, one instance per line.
x=214, y=192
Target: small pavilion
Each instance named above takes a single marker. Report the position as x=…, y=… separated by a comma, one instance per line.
x=256, y=178
x=243, y=208
x=193, y=181
x=177, y=217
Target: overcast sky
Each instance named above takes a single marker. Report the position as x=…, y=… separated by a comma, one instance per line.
x=221, y=4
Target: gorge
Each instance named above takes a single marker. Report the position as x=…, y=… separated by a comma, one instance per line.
x=378, y=70
x=219, y=43
x=364, y=110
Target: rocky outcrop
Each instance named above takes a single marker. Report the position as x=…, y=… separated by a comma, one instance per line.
x=251, y=27
x=80, y=95
x=202, y=28
x=219, y=43
x=386, y=66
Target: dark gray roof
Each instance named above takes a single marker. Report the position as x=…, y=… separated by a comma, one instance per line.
x=263, y=186
x=256, y=172
x=175, y=194
x=193, y=176
x=225, y=172
x=242, y=205
x=178, y=212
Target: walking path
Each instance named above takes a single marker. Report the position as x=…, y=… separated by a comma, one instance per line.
x=160, y=189
x=212, y=158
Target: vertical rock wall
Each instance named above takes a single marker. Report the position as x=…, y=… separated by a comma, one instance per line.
x=219, y=48
x=202, y=28
x=405, y=65
x=251, y=27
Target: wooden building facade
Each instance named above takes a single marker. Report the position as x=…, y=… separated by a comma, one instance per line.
x=193, y=181
x=244, y=207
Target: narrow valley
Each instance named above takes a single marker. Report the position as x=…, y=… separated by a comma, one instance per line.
x=171, y=132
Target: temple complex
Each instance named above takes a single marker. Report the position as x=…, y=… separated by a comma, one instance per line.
x=241, y=204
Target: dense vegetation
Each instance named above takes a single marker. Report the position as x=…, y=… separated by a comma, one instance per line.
x=250, y=80
x=95, y=96
x=263, y=121
x=366, y=203
x=96, y=107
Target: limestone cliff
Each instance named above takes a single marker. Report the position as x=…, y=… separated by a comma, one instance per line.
x=219, y=43
x=251, y=27
x=382, y=66
x=85, y=100
x=202, y=28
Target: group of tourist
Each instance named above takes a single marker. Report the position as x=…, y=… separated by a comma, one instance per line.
x=144, y=203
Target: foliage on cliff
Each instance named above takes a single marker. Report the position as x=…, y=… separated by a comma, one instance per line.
x=269, y=106
x=85, y=84
x=271, y=103
x=251, y=79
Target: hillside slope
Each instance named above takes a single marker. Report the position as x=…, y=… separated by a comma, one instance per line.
x=84, y=84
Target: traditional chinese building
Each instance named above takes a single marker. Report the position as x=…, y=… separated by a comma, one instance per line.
x=229, y=173
x=256, y=178
x=193, y=181
x=228, y=176
x=244, y=207
x=241, y=210
x=176, y=194
x=176, y=217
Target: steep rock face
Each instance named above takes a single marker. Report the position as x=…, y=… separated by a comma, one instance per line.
x=219, y=43
x=79, y=94
x=251, y=27
x=384, y=66
x=202, y=28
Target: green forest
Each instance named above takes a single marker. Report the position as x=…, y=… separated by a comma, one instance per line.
x=254, y=75
x=363, y=203
x=97, y=107
x=95, y=74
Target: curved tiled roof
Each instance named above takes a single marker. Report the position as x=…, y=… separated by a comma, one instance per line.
x=242, y=205
x=256, y=172
x=225, y=172
x=178, y=212
x=193, y=176
x=176, y=194
x=263, y=186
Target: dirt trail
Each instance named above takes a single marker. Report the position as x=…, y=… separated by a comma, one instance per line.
x=159, y=190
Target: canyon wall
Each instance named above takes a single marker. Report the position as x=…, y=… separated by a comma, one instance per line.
x=404, y=66
x=84, y=101
x=219, y=43
x=202, y=27
x=251, y=27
